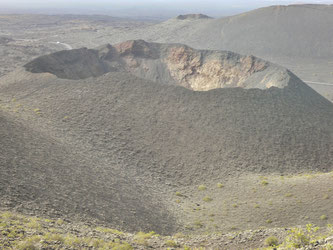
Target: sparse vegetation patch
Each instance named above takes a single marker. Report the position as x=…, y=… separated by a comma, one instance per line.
x=207, y=199
x=271, y=241
x=220, y=185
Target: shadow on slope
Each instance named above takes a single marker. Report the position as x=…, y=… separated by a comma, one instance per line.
x=39, y=175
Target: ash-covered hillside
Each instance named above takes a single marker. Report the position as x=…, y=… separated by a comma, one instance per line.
x=301, y=31
x=131, y=129
x=42, y=175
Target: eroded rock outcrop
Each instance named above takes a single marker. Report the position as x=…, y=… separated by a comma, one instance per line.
x=191, y=69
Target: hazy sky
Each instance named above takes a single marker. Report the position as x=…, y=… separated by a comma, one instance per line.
x=146, y=7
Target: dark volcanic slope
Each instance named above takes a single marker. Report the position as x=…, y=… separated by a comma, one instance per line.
x=125, y=143
x=41, y=175
x=73, y=64
x=181, y=134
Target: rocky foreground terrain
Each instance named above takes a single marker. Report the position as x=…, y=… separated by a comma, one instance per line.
x=26, y=232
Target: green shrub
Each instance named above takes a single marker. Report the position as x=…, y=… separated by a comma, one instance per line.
x=328, y=247
x=323, y=217
x=330, y=228
x=59, y=221
x=264, y=183
x=207, y=199
x=33, y=223
x=27, y=246
x=198, y=224
x=171, y=243
x=220, y=185
x=299, y=238
x=29, y=243
x=145, y=235
x=98, y=243
x=12, y=232
x=141, y=237
x=53, y=237
x=73, y=241
x=202, y=188
x=38, y=111
x=7, y=215
x=271, y=241
x=120, y=246
x=179, y=235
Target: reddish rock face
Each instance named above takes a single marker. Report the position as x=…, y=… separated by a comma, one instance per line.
x=183, y=63
x=135, y=48
x=195, y=69
x=190, y=69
